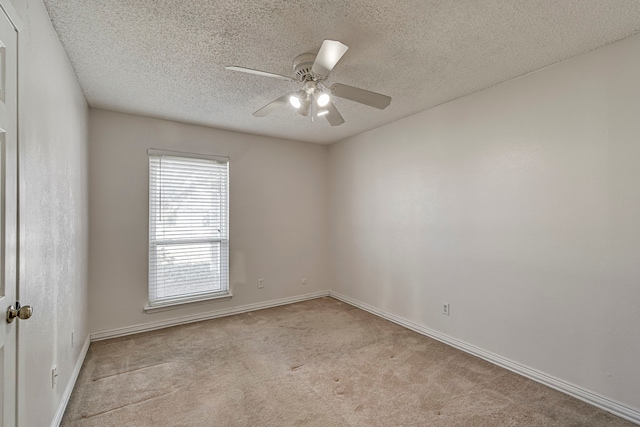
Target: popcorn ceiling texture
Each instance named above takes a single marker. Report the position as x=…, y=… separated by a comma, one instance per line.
x=166, y=58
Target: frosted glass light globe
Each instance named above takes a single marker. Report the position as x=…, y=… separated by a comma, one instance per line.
x=323, y=99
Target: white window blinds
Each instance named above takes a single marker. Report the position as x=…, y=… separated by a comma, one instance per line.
x=188, y=227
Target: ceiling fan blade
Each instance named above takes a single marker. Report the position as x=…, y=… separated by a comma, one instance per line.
x=362, y=96
x=328, y=56
x=333, y=116
x=273, y=105
x=260, y=73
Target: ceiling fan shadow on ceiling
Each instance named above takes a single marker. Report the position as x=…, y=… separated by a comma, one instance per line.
x=315, y=97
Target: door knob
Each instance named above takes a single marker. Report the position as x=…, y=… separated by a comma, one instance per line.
x=22, y=312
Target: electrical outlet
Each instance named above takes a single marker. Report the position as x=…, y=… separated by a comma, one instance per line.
x=54, y=376
x=445, y=308
x=305, y=281
x=260, y=283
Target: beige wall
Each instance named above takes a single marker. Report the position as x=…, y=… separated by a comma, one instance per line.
x=278, y=215
x=520, y=206
x=53, y=216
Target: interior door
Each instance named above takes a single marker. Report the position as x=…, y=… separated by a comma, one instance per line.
x=8, y=218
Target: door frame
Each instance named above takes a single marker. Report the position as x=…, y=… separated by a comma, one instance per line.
x=14, y=18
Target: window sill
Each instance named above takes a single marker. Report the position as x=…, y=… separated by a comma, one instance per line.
x=173, y=305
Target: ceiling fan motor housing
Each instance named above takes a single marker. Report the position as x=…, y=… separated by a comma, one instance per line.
x=302, y=67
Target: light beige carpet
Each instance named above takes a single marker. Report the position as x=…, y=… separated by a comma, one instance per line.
x=316, y=363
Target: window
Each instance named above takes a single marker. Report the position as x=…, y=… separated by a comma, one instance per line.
x=188, y=228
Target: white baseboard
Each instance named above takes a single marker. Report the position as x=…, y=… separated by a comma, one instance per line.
x=587, y=396
x=129, y=330
x=57, y=419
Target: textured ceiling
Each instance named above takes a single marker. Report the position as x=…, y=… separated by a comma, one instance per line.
x=166, y=59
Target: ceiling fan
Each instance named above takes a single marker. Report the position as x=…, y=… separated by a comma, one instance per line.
x=315, y=97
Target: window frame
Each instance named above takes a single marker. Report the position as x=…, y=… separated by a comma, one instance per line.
x=170, y=303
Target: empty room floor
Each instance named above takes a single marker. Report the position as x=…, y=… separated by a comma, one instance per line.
x=317, y=363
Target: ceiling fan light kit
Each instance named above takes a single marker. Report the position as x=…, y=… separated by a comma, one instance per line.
x=323, y=99
x=311, y=71
x=295, y=101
